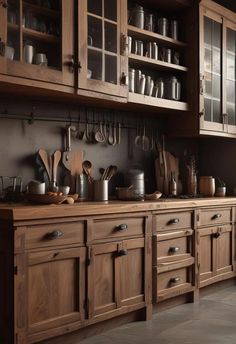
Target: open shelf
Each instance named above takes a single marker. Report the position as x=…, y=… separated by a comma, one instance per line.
x=137, y=33
x=40, y=36
x=138, y=61
x=157, y=102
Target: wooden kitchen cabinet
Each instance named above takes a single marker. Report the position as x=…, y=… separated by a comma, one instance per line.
x=119, y=265
x=217, y=70
x=49, y=280
x=215, y=246
x=103, y=68
x=29, y=28
x=213, y=73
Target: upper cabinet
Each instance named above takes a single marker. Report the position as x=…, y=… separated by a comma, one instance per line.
x=37, y=40
x=217, y=71
x=102, y=67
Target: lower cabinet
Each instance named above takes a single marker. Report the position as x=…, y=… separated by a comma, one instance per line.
x=116, y=277
x=51, y=291
x=216, y=254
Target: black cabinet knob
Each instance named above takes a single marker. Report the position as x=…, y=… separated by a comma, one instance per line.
x=123, y=252
x=174, y=280
x=173, y=221
x=174, y=249
x=216, y=235
x=55, y=235
x=216, y=216
x=122, y=227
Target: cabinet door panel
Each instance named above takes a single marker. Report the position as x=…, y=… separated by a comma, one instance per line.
x=224, y=249
x=39, y=41
x=133, y=272
x=55, y=284
x=206, y=253
x=100, y=29
x=103, y=274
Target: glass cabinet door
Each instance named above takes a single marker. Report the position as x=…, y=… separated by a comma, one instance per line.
x=230, y=77
x=211, y=64
x=37, y=42
x=100, y=27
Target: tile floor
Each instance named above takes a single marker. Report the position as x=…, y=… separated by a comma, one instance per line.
x=211, y=321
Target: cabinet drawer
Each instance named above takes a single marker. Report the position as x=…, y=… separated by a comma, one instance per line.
x=172, y=283
x=210, y=217
x=171, y=221
x=172, y=246
x=117, y=227
x=54, y=234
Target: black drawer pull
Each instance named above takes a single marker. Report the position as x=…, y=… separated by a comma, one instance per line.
x=216, y=216
x=174, y=249
x=123, y=252
x=173, y=221
x=216, y=235
x=174, y=280
x=55, y=235
x=122, y=227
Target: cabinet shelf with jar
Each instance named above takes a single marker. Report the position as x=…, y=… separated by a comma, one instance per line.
x=157, y=53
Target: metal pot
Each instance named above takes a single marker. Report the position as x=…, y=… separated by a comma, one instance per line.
x=135, y=177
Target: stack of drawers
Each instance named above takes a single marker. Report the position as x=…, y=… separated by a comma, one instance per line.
x=173, y=258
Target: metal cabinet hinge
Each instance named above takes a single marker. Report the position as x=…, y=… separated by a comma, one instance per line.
x=15, y=270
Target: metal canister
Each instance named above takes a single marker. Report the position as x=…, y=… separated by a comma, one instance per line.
x=149, y=49
x=137, y=16
x=174, y=28
x=135, y=177
x=131, y=80
x=138, y=74
x=149, y=85
x=149, y=22
x=158, y=90
x=172, y=88
x=162, y=26
x=154, y=51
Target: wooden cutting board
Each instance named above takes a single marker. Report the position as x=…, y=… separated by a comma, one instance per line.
x=172, y=165
x=74, y=160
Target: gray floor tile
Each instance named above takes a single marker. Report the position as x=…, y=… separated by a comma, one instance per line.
x=211, y=321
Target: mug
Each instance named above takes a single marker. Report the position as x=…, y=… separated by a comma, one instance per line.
x=9, y=52
x=28, y=53
x=40, y=59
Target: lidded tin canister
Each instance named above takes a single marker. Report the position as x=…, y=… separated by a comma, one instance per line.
x=137, y=16
x=135, y=177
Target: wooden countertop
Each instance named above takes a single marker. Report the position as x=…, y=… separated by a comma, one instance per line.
x=27, y=211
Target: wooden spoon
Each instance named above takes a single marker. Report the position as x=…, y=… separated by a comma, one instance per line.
x=87, y=167
x=45, y=159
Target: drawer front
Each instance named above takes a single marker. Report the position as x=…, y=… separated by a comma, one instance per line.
x=54, y=235
x=172, y=279
x=214, y=216
x=171, y=221
x=173, y=249
x=117, y=227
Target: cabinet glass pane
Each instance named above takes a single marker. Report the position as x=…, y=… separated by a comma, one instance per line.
x=110, y=37
x=95, y=32
x=38, y=39
x=110, y=9
x=95, y=64
x=111, y=69
x=13, y=31
x=231, y=76
x=213, y=70
x=95, y=7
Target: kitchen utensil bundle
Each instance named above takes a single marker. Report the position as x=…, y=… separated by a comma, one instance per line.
x=50, y=164
x=109, y=172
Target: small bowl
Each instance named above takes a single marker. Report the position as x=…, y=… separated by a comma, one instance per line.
x=64, y=189
x=36, y=188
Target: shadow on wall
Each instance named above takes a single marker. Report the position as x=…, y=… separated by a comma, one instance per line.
x=218, y=158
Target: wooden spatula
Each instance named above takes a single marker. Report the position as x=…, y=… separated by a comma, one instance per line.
x=55, y=161
x=46, y=162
